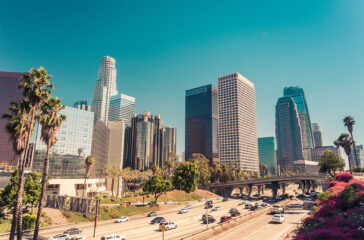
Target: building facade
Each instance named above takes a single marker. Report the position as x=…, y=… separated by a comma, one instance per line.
x=288, y=134
x=267, y=153
x=238, y=143
x=360, y=157
x=67, y=156
x=318, y=152
x=82, y=104
x=9, y=92
x=100, y=147
x=116, y=144
x=201, y=132
x=122, y=108
x=168, y=136
x=317, y=135
x=105, y=88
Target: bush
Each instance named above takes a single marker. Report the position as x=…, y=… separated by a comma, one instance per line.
x=344, y=177
x=29, y=221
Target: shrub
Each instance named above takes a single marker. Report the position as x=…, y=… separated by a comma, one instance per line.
x=29, y=221
x=344, y=177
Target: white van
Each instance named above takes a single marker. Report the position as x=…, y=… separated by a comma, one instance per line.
x=113, y=237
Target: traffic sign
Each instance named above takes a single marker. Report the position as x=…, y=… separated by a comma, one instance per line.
x=162, y=227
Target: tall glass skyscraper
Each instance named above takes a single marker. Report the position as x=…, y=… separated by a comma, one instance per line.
x=299, y=98
x=201, y=132
x=122, y=108
x=168, y=143
x=267, y=153
x=288, y=134
x=238, y=141
x=67, y=156
x=105, y=88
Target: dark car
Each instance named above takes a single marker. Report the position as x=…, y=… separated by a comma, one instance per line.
x=233, y=210
x=210, y=219
x=204, y=217
x=208, y=202
x=225, y=219
x=151, y=214
x=152, y=203
x=253, y=207
x=225, y=199
x=208, y=206
x=235, y=213
x=158, y=220
x=73, y=231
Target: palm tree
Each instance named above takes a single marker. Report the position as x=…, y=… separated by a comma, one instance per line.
x=109, y=173
x=346, y=142
x=349, y=122
x=51, y=122
x=263, y=169
x=337, y=144
x=17, y=127
x=89, y=162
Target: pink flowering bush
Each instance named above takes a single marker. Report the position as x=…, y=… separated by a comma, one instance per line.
x=340, y=214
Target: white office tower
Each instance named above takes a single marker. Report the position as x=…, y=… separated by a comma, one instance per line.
x=238, y=143
x=122, y=108
x=105, y=88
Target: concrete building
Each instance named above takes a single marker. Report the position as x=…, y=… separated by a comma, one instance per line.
x=288, y=134
x=238, y=142
x=116, y=144
x=100, y=147
x=201, y=132
x=267, y=153
x=168, y=137
x=317, y=152
x=105, y=88
x=9, y=92
x=122, y=108
x=317, y=135
x=82, y=104
x=360, y=156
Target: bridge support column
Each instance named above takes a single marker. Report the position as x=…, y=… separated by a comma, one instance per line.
x=308, y=187
x=275, y=187
x=262, y=189
x=250, y=188
x=259, y=190
x=241, y=189
x=314, y=185
x=283, y=186
x=303, y=184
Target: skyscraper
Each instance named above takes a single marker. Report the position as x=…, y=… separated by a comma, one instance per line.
x=317, y=135
x=299, y=98
x=9, y=92
x=167, y=143
x=288, y=134
x=267, y=153
x=116, y=143
x=122, y=108
x=202, y=122
x=238, y=141
x=105, y=88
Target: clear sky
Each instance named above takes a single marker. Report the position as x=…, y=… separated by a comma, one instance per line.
x=163, y=48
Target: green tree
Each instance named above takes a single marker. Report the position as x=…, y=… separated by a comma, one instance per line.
x=51, y=122
x=263, y=169
x=8, y=195
x=216, y=172
x=89, y=162
x=157, y=186
x=346, y=142
x=203, y=167
x=349, y=122
x=330, y=163
x=186, y=176
x=32, y=188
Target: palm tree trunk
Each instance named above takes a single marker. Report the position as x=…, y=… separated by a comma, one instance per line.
x=356, y=158
x=112, y=187
x=85, y=186
x=41, y=197
x=118, y=190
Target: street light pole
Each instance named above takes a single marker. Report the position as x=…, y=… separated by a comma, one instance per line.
x=96, y=215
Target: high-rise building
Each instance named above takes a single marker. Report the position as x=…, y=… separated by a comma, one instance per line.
x=9, y=92
x=299, y=98
x=168, y=143
x=122, y=108
x=267, y=153
x=82, y=104
x=116, y=144
x=67, y=156
x=143, y=141
x=100, y=146
x=288, y=134
x=317, y=135
x=238, y=141
x=360, y=157
x=105, y=88
x=317, y=152
x=201, y=133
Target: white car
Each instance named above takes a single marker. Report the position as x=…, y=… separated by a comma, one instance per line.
x=169, y=225
x=77, y=238
x=189, y=206
x=168, y=202
x=183, y=210
x=202, y=200
x=278, y=218
x=121, y=219
x=62, y=236
x=220, y=198
x=113, y=237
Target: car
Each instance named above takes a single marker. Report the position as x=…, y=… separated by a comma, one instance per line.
x=151, y=214
x=210, y=219
x=264, y=204
x=201, y=200
x=77, y=238
x=205, y=216
x=168, y=225
x=225, y=219
x=235, y=213
x=158, y=220
x=152, y=203
x=169, y=202
x=253, y=208
x=242, y=203
x=225, y=199
x=278, y=218
x=247, y=206
x=73, y=231
x=121, y=219
x=183, y=210
x=113, y=237
x=276, y=209
x=217, y=208
x=189, y=206
x=220, y=198
x=125, y=203
x=208, y=206
x=208, y=202
x=233, y=210
x=61, y=237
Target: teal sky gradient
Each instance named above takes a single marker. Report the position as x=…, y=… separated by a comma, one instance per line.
x=163, y=48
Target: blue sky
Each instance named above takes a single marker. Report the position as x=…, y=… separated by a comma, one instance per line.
x=163, y=48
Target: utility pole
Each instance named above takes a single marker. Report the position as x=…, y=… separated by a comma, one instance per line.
x=96, y=215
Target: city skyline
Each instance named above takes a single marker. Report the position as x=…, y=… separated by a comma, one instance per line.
x=264, y=48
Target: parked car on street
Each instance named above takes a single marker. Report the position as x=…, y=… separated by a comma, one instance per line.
x=278, y=218
x=225, y=219
x=73, y=231
x=169, y=225
x=121, y=219
x=113, y=237
x=151, y=214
